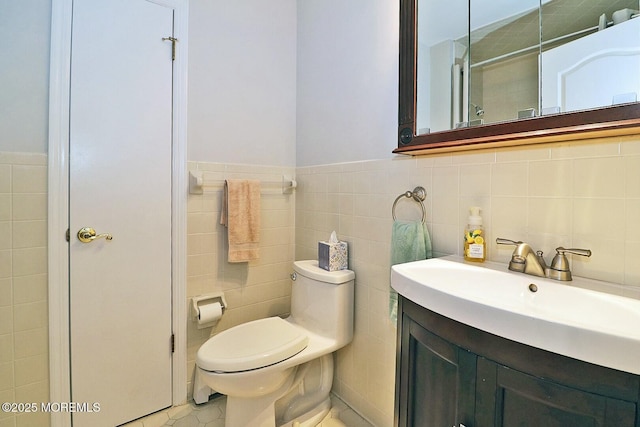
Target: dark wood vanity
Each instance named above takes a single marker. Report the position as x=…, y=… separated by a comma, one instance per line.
x=449, y=374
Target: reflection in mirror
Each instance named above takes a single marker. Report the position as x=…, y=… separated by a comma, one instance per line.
x=503, y=76
x=496, y=61
x=458, y=86
x=441, y=58
x=592, y=59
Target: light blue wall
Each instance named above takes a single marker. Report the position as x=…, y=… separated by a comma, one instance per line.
x=25, y=27
x=283, y=82
x=242, y=81
x=347, y=92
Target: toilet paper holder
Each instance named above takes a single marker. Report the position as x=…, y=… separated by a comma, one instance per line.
x=201, y=300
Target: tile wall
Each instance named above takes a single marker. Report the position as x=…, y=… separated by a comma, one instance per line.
x=584, y=194
x=505, y=87
x=24, y=363
x=253, y=290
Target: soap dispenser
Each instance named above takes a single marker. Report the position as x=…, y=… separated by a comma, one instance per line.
x=475, y=247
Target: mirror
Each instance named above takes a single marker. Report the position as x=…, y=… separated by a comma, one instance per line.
x=503, y=69
x=506, y=72
x=592, y=59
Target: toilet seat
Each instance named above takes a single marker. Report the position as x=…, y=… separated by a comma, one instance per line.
x=251, y=345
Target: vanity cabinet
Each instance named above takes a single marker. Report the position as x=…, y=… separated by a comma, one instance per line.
x=450, y=375
x=439, y=378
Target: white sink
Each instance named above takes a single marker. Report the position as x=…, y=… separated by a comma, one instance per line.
x=566, y=319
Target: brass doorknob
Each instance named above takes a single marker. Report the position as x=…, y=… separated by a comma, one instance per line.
x=88, y=235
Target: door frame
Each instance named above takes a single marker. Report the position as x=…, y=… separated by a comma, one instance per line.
x=58, y=205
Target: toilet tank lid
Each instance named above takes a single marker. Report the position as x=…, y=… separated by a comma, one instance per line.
x=310, y=269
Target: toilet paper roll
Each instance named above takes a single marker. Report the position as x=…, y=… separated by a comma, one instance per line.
x=208, y=313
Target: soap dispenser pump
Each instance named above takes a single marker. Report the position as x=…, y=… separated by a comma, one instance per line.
x=475, y=247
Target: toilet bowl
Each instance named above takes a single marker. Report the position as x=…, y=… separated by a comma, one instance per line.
x=278, y=370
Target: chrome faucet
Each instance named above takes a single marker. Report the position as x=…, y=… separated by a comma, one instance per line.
x=525, y=260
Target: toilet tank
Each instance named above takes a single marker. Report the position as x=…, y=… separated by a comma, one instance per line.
x=323, y=301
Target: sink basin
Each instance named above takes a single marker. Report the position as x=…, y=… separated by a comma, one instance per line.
x=561, y=317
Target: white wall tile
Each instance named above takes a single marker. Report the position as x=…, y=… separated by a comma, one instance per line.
x=445, y=181
x=583, y=149
x=553, y=178
x=6, y=376
x=631, y=265
x=6, y=341
x=563, y=194
x=550, y=216
x=30, y=370
x=29, y=316
x=629, y=145
x=30, y=288
x=29, y=179
x=475, y=180
x=509, y=179
x=524, y=153
x=510, y=216
x=606, y=263
x=599, y=177
x=632, y=176
x=6, y=320
x=6, y=292
x=256, y=289
x=5, y=206
x=29, y=206
x=23, y=282
x=580, y=194
x=31, y=342
x=5, y=235
x=29, y=234
x=603, y=218
x=5, y=178
x=5, y=263
x=29, y=261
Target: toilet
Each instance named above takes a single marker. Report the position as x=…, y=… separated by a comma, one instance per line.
x=279, y=372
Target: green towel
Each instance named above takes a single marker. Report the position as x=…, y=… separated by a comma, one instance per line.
x=410, y=241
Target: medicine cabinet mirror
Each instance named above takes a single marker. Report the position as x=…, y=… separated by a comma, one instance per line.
x=505, y=72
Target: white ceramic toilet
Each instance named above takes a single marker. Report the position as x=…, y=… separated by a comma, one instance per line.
x=279, y=371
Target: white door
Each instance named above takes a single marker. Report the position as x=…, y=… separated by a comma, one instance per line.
x=120, y=184
x=593, y=70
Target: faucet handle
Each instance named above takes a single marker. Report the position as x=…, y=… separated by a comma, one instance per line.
x=501, y=241
x=560, y=263
x=582, y=252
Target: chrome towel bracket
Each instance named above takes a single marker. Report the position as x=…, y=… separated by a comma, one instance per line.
x=419, y=195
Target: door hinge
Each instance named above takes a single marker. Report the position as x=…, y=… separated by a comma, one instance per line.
x=173, y=41
x=173, y=343
x=68, y=235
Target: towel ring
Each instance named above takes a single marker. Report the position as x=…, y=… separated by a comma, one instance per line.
x=419, y=194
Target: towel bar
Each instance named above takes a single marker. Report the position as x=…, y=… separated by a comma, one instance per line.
x=198, y=182
x=419, y=194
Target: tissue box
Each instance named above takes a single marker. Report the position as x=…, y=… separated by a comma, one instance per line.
x=333, y=256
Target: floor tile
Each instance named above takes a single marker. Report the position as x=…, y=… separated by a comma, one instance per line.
x=211, y=414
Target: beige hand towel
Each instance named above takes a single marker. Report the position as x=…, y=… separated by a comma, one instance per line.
x=241, y=216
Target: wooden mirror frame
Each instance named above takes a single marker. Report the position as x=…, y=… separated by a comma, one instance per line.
x=600, y=122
